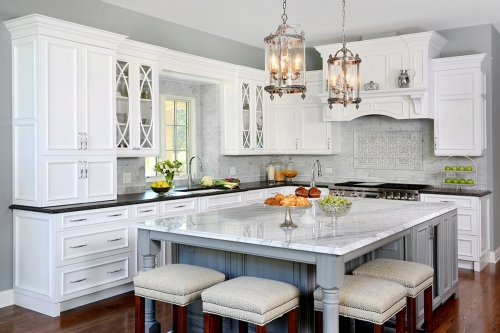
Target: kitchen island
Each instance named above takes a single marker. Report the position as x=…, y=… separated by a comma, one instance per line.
x=249, y=241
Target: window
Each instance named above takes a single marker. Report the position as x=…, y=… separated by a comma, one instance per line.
x=177, y=140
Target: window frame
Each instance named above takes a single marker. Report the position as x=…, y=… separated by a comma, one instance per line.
x=191, y=128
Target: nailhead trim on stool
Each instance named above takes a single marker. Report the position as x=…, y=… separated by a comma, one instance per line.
x=414, y=276
x=252, y=300
x=177, y=284
x=368, y=299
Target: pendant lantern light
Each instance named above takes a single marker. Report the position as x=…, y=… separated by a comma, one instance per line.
x=343, y=74
x=285, y=60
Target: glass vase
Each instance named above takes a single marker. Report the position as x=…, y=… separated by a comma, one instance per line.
x=169, y=178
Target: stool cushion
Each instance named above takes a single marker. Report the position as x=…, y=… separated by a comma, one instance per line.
x=367, y=299
x=250, y=299
x=414, y=276
x=177, y=284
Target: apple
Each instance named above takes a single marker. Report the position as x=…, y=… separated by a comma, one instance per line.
x=461, y=168
x=447, y=168
x=454, y=181
x=468, y=168
x=462, y=181
x=453, y=168
x=470, y=181
x=447, y=181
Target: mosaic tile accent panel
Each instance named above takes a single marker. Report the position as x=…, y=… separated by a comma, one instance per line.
x=388, y=150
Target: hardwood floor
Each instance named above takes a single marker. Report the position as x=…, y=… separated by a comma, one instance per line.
x=477, y=310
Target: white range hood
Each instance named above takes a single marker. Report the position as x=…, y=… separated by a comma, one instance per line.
x=382, y=61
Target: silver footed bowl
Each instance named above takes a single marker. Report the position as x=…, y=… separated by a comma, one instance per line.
x=335, y=211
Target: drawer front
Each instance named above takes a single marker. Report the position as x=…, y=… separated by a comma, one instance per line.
x=467, y=222
x=91, y=276
x=468, y=248
x=91, y=243
x=463, y=202
x=223, y=201
x=178, y=207
x=257, y=195
x=145, y=210
x=90, y=217
x=271, y=192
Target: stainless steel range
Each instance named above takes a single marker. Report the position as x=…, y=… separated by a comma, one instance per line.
x=389, y=191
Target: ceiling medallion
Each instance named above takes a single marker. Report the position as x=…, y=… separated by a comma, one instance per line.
x=285, y=60
x=343, y=74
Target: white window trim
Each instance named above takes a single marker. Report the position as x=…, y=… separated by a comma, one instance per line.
x=192, y=132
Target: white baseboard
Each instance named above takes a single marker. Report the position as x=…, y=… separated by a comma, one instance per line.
x=6, y=298
x=495, y=256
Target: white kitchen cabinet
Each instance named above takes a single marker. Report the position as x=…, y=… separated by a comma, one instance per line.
x=221, y=201
x=472, y=226
x=63, y=110
x=460, y=105
x=137, y=100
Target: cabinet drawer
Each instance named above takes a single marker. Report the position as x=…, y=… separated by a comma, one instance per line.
x=91, y=276
x=178, y=207
x=468, y=248
x=89, y=217
x=463, y=202
x=271, y=192
x=91, y=243
x=222, y=201
x=467, y=222
x=256, y=196
x=145, y=210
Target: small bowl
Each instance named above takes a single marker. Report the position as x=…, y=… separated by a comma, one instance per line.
x=335, y=211
x=161, y=190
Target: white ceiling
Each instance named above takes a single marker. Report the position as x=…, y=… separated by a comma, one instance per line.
x=250, y=21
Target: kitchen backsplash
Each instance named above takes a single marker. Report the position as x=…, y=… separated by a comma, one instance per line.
x=253, y=168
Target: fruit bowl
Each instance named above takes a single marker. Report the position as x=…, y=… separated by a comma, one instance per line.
x=159, y=189
x=335, y=210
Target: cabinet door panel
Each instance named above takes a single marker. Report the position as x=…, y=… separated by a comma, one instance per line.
x=99, y=182
x=61, y=180
x=98, y=102
x=315, y=132
x=59, y=97
x=289, y=125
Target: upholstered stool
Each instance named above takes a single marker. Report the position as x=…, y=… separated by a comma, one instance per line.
x=177, y=284
x=250, y=300
x=414, y=276
x=367, y=299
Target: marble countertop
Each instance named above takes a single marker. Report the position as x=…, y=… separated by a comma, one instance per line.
x=368, y=221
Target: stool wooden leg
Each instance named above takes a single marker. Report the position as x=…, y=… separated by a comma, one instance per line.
x=359, y=326
x=378, y=328
x=428, y=309
x=212, y=323
x=411, y=305
x=260, y=329
x=140, y=319
x=182, y=319
x=293, y=321
x=400, y=321
x=175, y=318
x=243, y=327
x=319, y=321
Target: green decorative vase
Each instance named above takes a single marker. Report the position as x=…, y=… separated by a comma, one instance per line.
x=170, y=180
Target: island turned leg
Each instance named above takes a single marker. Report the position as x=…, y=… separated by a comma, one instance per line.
x=330, y=277
x=149, y=249
x=331, y=320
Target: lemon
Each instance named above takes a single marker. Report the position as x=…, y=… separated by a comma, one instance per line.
x=164, y=185
x=153, y=184
x=159, y=182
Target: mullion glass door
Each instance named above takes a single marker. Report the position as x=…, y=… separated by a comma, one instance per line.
x=146, y=112
x=259, y=117
x=123, y=115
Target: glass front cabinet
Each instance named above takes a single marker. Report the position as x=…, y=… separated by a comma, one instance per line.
x=252, y=108
x=136, y=107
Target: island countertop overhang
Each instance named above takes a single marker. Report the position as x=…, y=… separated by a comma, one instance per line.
x=369, y=222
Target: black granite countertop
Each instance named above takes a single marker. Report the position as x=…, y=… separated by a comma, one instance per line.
x=150, y=196
x=454, y=191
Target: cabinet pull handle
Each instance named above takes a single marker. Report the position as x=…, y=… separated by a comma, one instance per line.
x=274, y=193
x=328, y=143
x=81, y=141
x=297, y=144
x=180, y=206
x=435, y=142
x=146, y=211
x=86, y=169
x=447, y=201
x=118, y=270
x=81, y=169
x=114, y=240
x=86, y=141
x=79, y=220
x=78, y=280
x=114, y=215
x=75, y=247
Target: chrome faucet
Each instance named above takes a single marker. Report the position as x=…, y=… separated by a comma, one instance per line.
x=320, y=174
x=190, y=173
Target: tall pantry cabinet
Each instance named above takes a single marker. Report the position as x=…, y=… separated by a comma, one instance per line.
x=63, y=115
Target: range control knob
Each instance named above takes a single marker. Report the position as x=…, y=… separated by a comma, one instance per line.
x=397, y=196
x=381, y=195
x=390, y=195
x=404, y=196
x=355, y=194
x=361, y=195
x=411, y=197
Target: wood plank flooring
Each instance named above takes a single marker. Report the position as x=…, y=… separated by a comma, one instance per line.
x=477, y=310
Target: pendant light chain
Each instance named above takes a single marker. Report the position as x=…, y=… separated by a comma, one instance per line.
x=343, y=23
x=284, y=16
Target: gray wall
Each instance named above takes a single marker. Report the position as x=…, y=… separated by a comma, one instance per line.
x=494, y=127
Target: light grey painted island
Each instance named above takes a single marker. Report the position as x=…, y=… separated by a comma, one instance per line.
x=249, y=241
